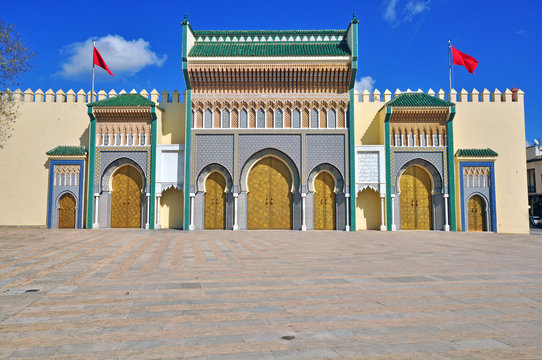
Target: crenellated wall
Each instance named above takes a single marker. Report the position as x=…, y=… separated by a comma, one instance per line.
x=483, y=120
x=46, y=120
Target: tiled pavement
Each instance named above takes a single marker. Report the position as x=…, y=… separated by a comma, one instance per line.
x=106, y=294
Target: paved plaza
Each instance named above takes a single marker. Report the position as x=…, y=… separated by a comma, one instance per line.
x=108, y=294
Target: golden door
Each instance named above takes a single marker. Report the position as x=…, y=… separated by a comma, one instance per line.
x=126, y=198
x=476, y=213
x=416, y=205
x=269, y=196
x=66, y=212
x=215, y=201
x=324, y=202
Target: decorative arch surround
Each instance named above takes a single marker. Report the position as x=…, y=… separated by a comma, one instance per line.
x=436, y=179
x=107, y=175
x=57, y=199
x=485, y=191
x=487, y=223
x=274, y=153
x=206, y=171
x=339, y=181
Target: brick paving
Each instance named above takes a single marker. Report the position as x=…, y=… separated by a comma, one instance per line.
x=107, y=294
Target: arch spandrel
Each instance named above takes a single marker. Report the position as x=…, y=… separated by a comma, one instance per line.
x=206, y=171
x=252, y=160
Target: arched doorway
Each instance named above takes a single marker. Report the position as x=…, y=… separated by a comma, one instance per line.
x=369, y=216
x=416, y=204
x=324, y=202
x=269, y=195
x=215, y=201
x=476, y=213
x=127, y=185
x=66, y=211
x=171, y=209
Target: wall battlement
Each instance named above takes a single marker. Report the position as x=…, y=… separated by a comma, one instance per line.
x=474, y=96
x=514, y=95
x=81, y=96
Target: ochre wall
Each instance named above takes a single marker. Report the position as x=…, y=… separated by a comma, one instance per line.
x=368, y=130
x=171, y=209
x=25, y=170
x=171, y=129
x=501, y=127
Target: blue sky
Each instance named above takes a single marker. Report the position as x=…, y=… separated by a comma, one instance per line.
x=402, y=43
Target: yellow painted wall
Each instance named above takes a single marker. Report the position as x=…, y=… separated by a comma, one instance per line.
x=172, y=125
x=171, y=209
x=24, y=177
x=501, y=127
x=368, y=210
x=369, y=128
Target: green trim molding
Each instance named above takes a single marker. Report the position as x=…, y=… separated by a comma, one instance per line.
x=91, y=160
x=388, y=167
x=188, y=127
x=451, y=169
x=152, y=199
x=351, y=127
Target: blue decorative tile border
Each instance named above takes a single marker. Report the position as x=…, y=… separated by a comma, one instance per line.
x=491, y=166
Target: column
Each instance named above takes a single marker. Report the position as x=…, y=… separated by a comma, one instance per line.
x=304, y=225
x=382, y=212
x=347, y=196
x=148, y=211
x=446, y=225
x=157, y=223
x=192, y=198
x=95, y=224
x=235, y=225
x=393, y=227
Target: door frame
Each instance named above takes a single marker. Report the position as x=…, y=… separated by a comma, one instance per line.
x=431, y=193
x=57, y=207
x=142, y=206
x=334, y=190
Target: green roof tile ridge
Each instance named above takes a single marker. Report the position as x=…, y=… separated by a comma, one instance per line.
x=477, y=152
x=417, y=99
x=68, y=150
x=270, y=49
x=124, y=100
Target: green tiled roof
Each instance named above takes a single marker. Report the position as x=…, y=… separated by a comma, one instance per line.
x=476, y=153
x=271, y=49
x=417, y=100
x=63, y=150
x=269, y=32
x=124, y=100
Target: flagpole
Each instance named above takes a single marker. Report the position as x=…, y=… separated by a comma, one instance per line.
x=450, y=67
x=92, y=93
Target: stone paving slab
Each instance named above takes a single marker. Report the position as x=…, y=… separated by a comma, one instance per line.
x=114, y=294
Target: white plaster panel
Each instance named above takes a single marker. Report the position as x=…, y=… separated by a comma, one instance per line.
x=169, y=167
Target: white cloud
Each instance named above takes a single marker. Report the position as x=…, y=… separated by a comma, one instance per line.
x=365, y=83
x=415, y=7
x=390, y=13
x=395, y=12
x=121, y=56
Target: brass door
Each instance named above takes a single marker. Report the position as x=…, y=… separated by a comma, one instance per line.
x=126, y=198
x=476, y=213
x=324, y=202
x=416, y=204
x=269, y=196
x=215, y=201
x=66, y=212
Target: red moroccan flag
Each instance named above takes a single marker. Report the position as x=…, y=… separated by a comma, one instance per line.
x=98, y=60
x=467, y=61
